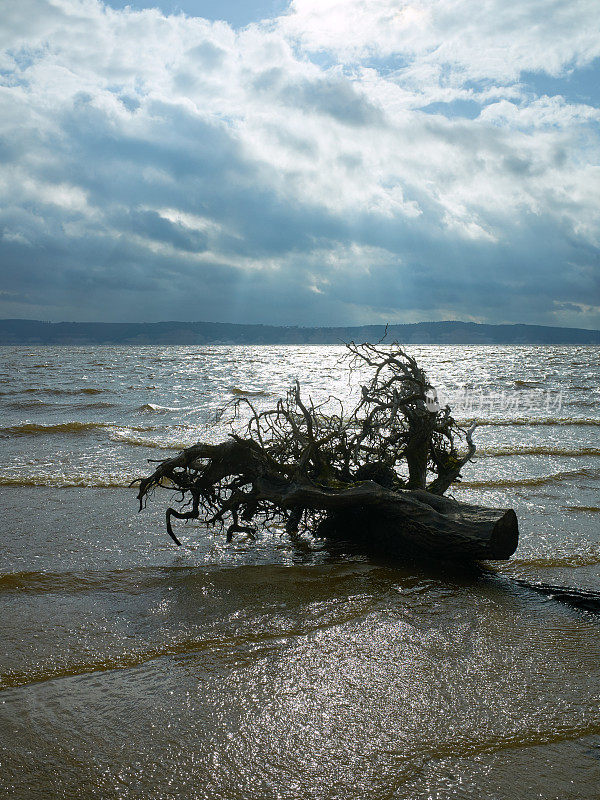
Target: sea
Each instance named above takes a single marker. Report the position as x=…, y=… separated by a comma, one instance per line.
x=277, y=669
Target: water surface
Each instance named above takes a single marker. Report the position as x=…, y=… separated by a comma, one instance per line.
x=134, y=669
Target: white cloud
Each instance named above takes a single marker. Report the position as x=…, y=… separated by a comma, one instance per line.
x=476, y=38
x=134, y=138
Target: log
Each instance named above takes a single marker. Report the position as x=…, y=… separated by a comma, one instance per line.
x=402, y=522
x=418, y=524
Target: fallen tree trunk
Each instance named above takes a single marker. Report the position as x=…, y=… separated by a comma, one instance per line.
x=414, y=526
x=402, y=522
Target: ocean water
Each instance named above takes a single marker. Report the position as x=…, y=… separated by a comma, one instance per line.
x=131, y=668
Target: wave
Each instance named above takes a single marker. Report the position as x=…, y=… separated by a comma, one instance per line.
x=139, y=441
x=45, y=391
x=129, y=580
x=572, y=560
x=67, y=481
x=34, y=428
x=153, y=407
x=239, y=642
x=28, y=404
x=542, y=480
x=583, y=509
x=248, y=392
x=521, y=421
x=537, y=450
x=36, y=581
x=99, y=404
x=128, y=659
x=120, y=482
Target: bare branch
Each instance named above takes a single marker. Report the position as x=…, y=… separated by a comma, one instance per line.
x=278, y=460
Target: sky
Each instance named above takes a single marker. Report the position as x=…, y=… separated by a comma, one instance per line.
x=313, y=162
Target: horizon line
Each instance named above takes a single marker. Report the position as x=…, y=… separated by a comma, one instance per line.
x=296, y=325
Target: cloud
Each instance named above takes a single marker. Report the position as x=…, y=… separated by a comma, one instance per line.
x=491, y=40
x=388, y=163
x=329, y=95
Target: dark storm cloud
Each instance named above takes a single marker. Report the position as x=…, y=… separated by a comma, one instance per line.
x=159, y=229
x=419, y=272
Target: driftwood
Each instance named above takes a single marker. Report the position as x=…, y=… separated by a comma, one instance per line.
x=375, y=475
x=399, y=521
x=417, y=527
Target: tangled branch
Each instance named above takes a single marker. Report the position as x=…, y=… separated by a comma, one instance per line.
x=294, y=463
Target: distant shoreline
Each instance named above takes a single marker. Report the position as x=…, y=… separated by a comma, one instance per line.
x=32, y=332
